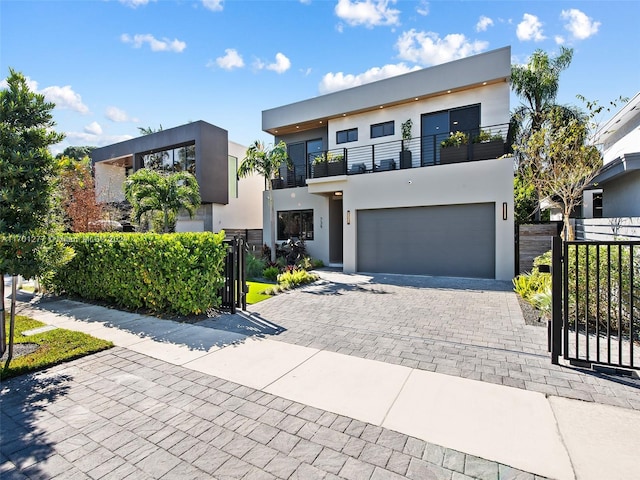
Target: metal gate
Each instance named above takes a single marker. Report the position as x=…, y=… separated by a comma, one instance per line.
x=596, y=303
x=234, y=291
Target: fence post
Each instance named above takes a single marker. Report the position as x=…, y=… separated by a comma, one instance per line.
x=556, y=296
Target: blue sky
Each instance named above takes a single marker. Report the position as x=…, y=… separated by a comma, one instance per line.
x=112, y=66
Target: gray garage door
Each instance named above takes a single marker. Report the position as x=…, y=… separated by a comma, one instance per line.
x=449, y=240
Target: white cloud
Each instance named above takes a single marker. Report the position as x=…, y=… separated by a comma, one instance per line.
x=423, y=8
x=333, y=82
x=483, y=23
x=213, y=5
x=281, y=65
x=530, y=28
x=427, y=48
x=231, y=59
x=135, y=3
x=305, y=2
x=369, y=13
x=164, y=45
x=65, y=97
x=559, y=39
x=579, y=24
x=116, y=114
x=93, y=128
x=84, y=138
x=32, y=84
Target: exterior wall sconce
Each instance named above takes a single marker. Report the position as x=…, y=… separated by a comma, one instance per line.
x=348, y=217
x=504, y=210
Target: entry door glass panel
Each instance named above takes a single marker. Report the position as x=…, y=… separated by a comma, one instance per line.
x=298, y=160
x=435, y=128
x=465, y=120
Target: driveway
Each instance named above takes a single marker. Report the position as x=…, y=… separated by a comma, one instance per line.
x=463, y=327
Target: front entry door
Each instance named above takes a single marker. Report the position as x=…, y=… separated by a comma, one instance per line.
x=435, y=128
x=335, y=229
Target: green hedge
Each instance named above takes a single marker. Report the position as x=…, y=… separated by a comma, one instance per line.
x=179, y=273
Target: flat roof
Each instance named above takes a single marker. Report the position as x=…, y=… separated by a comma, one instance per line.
x=482, y=69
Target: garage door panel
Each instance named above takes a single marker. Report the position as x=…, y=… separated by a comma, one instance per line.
x=448, y=240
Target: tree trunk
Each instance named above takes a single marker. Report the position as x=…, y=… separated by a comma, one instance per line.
x=12, y=319
x=165, y=213
x=569, y=235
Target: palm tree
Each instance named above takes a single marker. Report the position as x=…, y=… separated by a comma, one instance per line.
x=266, y=162
x=153, y=191
x=536, y=83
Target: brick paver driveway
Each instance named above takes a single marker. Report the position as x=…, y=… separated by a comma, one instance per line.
x=468, y=328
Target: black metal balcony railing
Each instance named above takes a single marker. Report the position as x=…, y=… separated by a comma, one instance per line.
x=483, y=143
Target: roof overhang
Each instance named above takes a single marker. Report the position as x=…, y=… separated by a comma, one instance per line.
x=624, y=115
x=478, y=70
x=620, y=166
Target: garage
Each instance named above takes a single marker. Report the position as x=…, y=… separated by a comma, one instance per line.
x=442, y=240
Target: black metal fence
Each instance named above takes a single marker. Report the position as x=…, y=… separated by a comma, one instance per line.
x=234, y=291
x=596, y=303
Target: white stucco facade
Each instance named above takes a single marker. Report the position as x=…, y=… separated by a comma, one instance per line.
x=109, y=181
x=485, y=182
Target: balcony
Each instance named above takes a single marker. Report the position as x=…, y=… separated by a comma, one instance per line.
x=484, y=143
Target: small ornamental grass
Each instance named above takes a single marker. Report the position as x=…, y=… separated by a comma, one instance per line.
x=55, y=346
x=291, y=278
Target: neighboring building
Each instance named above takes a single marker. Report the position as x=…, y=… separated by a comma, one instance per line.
x=364, y=198
x=618, y=182
x=611, y=209
x=200, y=148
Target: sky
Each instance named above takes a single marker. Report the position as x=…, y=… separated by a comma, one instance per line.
x=113, y=66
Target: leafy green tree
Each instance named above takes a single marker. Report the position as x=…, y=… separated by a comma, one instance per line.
x=266, y=162
x=525, y=199
x=150, y=191
x=562, y=162
x=26, y=172
x=77, y=153
x=536, y=83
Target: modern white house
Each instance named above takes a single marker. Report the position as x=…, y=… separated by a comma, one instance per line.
x=368, y=198
x=612, y=206
x=200, y=148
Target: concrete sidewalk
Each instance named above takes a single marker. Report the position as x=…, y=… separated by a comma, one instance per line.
x=529, y=431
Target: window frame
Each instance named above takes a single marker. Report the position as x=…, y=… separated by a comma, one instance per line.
x=308, y=235
x=348, y=132
x=383, y=126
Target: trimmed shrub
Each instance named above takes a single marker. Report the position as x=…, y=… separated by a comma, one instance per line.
x=271, y=273
x=254, y=266
x=178, y=273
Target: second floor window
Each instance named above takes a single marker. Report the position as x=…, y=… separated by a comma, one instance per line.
x=344, y=136
x=383, y=129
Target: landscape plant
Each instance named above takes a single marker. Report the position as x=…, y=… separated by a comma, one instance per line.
x=162, y=194
x=266, y=162
x=76, y=195
x=455, y=139
x=27, y=169
x=254, y=266
x=180, y=273
x=604, y=287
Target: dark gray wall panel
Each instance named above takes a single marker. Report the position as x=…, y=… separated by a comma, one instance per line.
x=447, y=240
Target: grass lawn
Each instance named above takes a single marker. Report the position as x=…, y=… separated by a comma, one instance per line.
x=56, y=346
x=254, y=295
